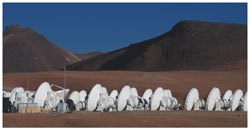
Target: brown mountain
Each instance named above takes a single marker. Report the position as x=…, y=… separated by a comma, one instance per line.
x=24, y=50
x=190, y=45
x=88, y=55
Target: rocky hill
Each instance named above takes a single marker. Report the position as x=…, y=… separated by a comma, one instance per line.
x=190, y=45
x=24, y=50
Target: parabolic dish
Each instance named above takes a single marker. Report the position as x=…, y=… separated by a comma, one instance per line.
x=192, y=96
x=236, y=99
x=75, y=97
x=41, y=93
x=156, y=98
x=228, y=94
x=245, y=102
x=93, y=97
x=62, y=93
x=213, y=96
x=123, y=97
x=13, y=93
x=114, y=94
x=134, y=91
x=147, y=94
x=83, y=95
x=167, y=93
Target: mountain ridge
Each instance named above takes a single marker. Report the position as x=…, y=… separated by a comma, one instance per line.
x=25, y=50
x=189, y=45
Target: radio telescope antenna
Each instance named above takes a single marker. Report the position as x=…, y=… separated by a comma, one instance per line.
x=75, y=97
x=167, y=93
x=83, y=95
x=41, y=93
x=147, y=94
x=114, y=94
x=236, y=99
x=123, y=98
x=136, y=101
x=212, y=98
x=156, y=98
x=13, y=93
x=225, y=102
x=134, y=91
x=169, y=102
x=191, y=99
x=93, y=97
x=228, y=95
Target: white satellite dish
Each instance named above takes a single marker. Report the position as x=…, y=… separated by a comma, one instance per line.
x=82, y=98
x=134, y=91
x=83, y=95
x=236, y=99
x=147, y=94
x=156, y=98
x=123, y=97
x=228, y=94
x=245, y=102
x=13, y=93
x=93, y=97
x=114, y=94
x=41, y=93
x=62, y=93
x=167, y=93
x=212, y=98
x=75, y=97
x=224, y=103
x=191, y=98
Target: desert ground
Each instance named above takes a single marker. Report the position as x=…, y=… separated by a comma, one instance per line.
x=129, y=119
x=179, y=82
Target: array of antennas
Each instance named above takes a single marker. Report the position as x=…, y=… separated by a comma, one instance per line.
x=128, y=99
x=43, y=97
x=98, y=99
x=215, y=102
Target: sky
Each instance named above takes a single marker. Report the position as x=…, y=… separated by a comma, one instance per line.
x=87, y=27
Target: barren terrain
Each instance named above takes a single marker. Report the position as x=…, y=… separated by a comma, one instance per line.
x=179, y=82
x=129, y=119
x=189, y=45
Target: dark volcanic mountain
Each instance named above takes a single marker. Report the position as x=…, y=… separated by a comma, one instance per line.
x=190, y=45
x=24, y=50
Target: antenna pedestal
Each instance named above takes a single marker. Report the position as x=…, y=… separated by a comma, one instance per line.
x=199, y=104
x=133, y=102
x=105, y=103
x=218, y=106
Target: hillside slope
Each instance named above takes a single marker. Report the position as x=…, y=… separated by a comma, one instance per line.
x=88, y=55
x=190, y=45
x=24, y=50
